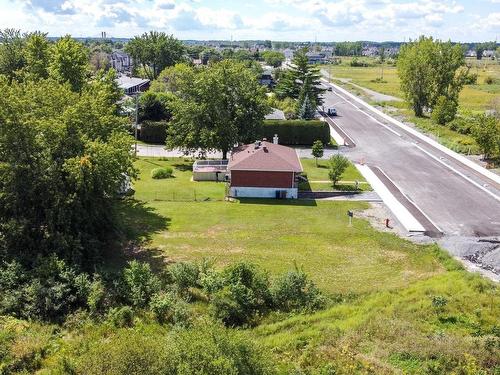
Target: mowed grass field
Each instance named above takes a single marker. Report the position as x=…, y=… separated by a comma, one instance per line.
x=275, y=234
x=393, y=306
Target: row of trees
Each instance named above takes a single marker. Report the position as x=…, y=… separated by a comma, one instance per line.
x=31, y=57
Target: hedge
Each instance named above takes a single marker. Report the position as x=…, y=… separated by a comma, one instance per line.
x=296, y=132
x=153, y=132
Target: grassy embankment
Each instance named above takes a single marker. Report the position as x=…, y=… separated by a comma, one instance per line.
x=476, y=98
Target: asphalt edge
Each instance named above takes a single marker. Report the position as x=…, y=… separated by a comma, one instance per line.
x=407, y=220
x=492, y=176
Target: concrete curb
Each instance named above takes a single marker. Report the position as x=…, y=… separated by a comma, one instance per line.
x=402, y=214
x=492, y=176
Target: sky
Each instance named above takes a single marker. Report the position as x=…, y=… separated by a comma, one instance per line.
x=285, y=20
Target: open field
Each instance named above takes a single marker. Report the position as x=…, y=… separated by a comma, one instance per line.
x=474, y=97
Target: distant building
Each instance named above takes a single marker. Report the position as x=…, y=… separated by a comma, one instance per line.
x=120, y=61
x=264, y=170
x=266, y=78
x=316, y=58
x=132, y=85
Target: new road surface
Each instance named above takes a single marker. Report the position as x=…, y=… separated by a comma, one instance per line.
x=448, y=195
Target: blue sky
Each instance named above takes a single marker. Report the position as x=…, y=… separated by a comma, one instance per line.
x=297, y=20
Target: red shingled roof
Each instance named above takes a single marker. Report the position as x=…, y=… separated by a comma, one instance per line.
x=266, y=157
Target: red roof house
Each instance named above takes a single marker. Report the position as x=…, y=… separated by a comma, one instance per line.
x=264, y=170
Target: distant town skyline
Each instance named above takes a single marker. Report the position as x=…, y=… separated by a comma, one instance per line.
x=284, y=20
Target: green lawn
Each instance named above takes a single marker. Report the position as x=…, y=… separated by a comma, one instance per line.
x=320, y=172
x=180, y=187
x=340, y=259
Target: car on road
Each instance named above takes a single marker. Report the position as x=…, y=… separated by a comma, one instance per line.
x=331, y=112
x=329, y=88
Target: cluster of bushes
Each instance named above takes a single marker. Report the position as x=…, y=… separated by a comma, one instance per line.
x=163, y=172
x=153, y=132
x=238, y=295
x=355, y=62
x=287, y=105
x=297, y=132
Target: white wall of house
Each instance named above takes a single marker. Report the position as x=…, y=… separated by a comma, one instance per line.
x=256, y=192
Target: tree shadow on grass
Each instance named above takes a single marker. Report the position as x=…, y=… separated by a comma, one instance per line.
x=183, y=167
x=138, y=223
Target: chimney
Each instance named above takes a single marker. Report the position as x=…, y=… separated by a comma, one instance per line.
x=275, y=139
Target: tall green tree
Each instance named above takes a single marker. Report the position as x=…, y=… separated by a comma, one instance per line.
x=317, y=150
x=154, y=51
x=12, y=58
x=301, y=75
x=64, y=157
x=37, y=55
x=430, y=69
x=224, y=104
x=273, y=58
x=69, y=62
x=338, y=165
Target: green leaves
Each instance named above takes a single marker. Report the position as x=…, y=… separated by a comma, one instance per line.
x=430, y=69
x=222, y=104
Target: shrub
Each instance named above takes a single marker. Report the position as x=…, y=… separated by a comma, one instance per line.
x=49, y=291
x=297, y=132
x=203, y=350
x=489, y=80
x=121, y=316
x=444, y=110
x=126, y=352
x=244, y=295
x=470, y=79
x=167, y=308
x=153, y=132
x=184, y=275
x=293, y=291
x=139, y=283
x=160, y=173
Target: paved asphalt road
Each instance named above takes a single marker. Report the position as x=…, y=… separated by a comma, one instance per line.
x=450, y=201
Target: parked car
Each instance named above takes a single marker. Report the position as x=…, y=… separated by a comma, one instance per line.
x=331, y=112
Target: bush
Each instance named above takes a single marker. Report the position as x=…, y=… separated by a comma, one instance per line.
x=153, y=132
x=121, y=316
x=203, y=350
x=489, y=80
x=49, y=291
x=470, y=79
x=184, y=275
x=293, y=291
x=444, y=110
x=139, y=284
x=244, y=295
x=167, y=308
x=161, y=173
x=296, y=132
